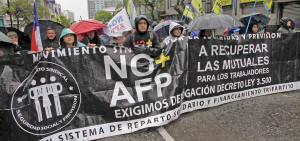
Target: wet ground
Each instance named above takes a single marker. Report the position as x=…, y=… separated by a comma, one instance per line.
x=273, y=117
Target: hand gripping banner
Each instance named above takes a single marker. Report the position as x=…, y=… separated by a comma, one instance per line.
x=92, y=93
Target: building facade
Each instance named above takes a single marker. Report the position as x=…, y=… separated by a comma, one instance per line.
x=97, y=5
x=93, y=6
x=69, y=15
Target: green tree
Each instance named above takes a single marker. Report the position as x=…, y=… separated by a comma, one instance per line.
x=3, y=8
x=120, y=4
x=180, y=5
x=22, y=9
x=150, y=5
x=65, y=21
x=103, y=16
x=43, y=13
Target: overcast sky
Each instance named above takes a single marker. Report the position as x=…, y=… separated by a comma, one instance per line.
x=79, y=7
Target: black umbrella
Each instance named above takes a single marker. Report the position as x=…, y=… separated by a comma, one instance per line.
x=259, y=19
x=213, y=21
x=162, y=29
x=4, y=38
x=6, y=45
x=44, y=24
x=256, y=19
x=24, y=40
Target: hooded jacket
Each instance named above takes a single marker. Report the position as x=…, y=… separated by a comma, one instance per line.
x=147, y=39
x=51, y=43
x=66, y=31
x=173, y=26
x=283, y=26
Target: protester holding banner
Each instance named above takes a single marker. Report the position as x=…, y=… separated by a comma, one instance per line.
x=91, y=40
x=285, y=25
x=105, y=39
x=253, y=29
x=117, y=41
x=175, y=31
x=69, y=39
x=50, y=43
x=205, y=33
x=142, y=40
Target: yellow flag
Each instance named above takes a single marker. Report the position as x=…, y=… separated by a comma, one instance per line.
x=268, y=4
x=56, y=15
x=225, y=2
x=188, y=12
x=218, y=7
x=246, y=1
x=128, y=7
x=131, y=11
x=197, y=4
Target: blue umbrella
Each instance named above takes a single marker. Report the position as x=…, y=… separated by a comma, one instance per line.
x=162, y=29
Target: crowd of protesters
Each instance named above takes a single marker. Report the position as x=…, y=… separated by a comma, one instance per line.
x=141, y=39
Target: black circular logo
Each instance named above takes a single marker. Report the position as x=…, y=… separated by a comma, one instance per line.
x=47, y=100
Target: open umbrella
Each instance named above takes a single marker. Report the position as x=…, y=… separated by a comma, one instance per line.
x=6, y=45
x=85, y=26
x=44, y=24
x=256, y=19
x=213, y=21
x=4, y=38
x=259, y=19
x=24, y=40
x=162, y=29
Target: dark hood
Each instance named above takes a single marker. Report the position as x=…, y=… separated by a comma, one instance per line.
x=137, y=19
x=284, y=21
x=173, y=26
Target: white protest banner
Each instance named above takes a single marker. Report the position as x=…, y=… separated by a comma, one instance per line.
x=118, y=24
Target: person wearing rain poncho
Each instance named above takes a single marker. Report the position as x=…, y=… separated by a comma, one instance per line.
x=69, y=39
x=175, y=31
x=142, y=40
x=285, y=25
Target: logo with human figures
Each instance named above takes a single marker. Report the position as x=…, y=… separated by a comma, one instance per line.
x=47, y=100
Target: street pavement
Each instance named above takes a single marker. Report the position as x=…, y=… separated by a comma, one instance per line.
x=274, y=117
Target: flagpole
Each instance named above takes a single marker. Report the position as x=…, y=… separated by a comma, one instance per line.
x=250, y=17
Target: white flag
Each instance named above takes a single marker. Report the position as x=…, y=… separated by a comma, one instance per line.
x=118, y=24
